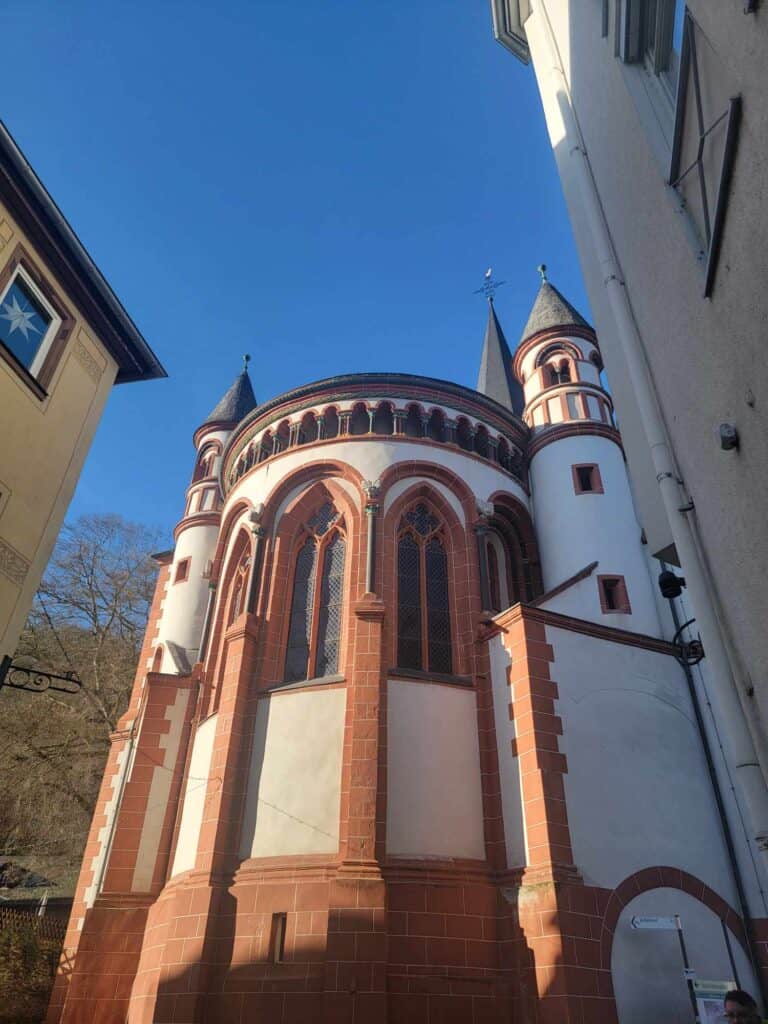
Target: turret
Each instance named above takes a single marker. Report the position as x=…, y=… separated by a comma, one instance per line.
x=196, y=533
x=583, y=505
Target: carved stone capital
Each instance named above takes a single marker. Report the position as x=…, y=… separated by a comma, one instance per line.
x=371, y=489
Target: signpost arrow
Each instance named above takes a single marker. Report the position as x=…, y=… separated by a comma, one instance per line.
x=655, y=923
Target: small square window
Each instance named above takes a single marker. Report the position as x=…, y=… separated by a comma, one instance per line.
x=182, y=570
x=613, y=595
x=27, y=324
x=586, y=479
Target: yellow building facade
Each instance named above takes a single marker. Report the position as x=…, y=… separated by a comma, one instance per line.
x=65, y=339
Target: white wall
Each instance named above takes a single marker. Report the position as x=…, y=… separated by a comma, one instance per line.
x=371, y=457
x=194, y=796
x=294, y=784
x=647, y=966
x=509, y=771
x=637, y=787
x=183, y=610
x=576, y=529
x=434, y=800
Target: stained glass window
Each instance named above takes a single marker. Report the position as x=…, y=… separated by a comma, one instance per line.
x=494, y=582
x=300, y=629
x=409, y=603
x=329, y=625
x=314, y=631
x=24, y=322
x=424, y=621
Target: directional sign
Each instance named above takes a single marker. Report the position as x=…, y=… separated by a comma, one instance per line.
x=655, y=923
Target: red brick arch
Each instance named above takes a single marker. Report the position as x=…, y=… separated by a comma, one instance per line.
x=309, y=472
x=279, y=566
x=665, y=878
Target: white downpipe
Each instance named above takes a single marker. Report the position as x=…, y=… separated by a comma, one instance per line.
x=740, y=747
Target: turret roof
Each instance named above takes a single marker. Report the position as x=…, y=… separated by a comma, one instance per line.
x=238, y=401
x=496, y=379
x=551, y=309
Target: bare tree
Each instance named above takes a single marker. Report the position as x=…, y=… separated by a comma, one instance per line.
x=88, y=616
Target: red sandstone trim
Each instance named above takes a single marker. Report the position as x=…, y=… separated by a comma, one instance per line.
x=574, y=428
x=563, y=334
x=500, y=623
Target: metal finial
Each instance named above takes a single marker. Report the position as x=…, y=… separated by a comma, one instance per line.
x=542, y=269
x=489, y=286
x=246, y=360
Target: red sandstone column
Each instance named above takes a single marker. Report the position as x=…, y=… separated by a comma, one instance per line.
x=190, y=931
x=560, y=920
x=355, y=977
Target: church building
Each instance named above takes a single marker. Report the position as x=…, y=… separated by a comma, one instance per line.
x=410, y=741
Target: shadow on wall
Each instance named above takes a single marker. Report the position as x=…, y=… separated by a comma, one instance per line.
x=268, y=967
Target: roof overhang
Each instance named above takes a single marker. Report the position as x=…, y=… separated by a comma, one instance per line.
x=44, y=224
x=509, y=17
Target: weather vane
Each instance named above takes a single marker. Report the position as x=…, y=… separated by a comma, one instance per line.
x=542, y=269
x=489, y=286
x=246, y=360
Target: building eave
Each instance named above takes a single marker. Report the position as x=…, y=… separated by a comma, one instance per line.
x=38, y=216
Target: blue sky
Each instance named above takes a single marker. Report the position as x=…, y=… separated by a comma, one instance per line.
x=320, y=185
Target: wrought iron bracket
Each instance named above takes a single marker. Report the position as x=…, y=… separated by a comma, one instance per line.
x=691, y=652
x=35, y=680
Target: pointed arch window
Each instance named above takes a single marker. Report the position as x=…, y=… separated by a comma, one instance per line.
x=423, y=619
x=314, y=630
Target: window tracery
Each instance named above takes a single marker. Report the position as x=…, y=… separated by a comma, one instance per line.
x=423, y=620
x=314, y=629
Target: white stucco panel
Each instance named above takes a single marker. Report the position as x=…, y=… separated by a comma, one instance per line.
x=294, y=785
x=194, y=797
x=509, y=771
x=434, y=800
x=371, y=457
x=637, y=787
x=647, y=966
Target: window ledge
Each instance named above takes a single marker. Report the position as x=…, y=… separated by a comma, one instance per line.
x=301, y=684
x=417, y=676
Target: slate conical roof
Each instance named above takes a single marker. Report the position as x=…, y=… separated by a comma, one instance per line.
x=238, y=401
x=551, y=309
x=496, y=379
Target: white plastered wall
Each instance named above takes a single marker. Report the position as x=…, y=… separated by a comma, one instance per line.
x=194, y=796
x=647, y=966
x=637, y=787
x=434, y=799
x=401, y=486
x=371, y=458
x=294, y=783
x=509, y=770
x=184, y=607
x=574, y=530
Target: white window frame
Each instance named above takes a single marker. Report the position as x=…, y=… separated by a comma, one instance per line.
x=651, y=73
x=53, y=328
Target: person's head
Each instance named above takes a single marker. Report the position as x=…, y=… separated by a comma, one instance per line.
x=740, y=1007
